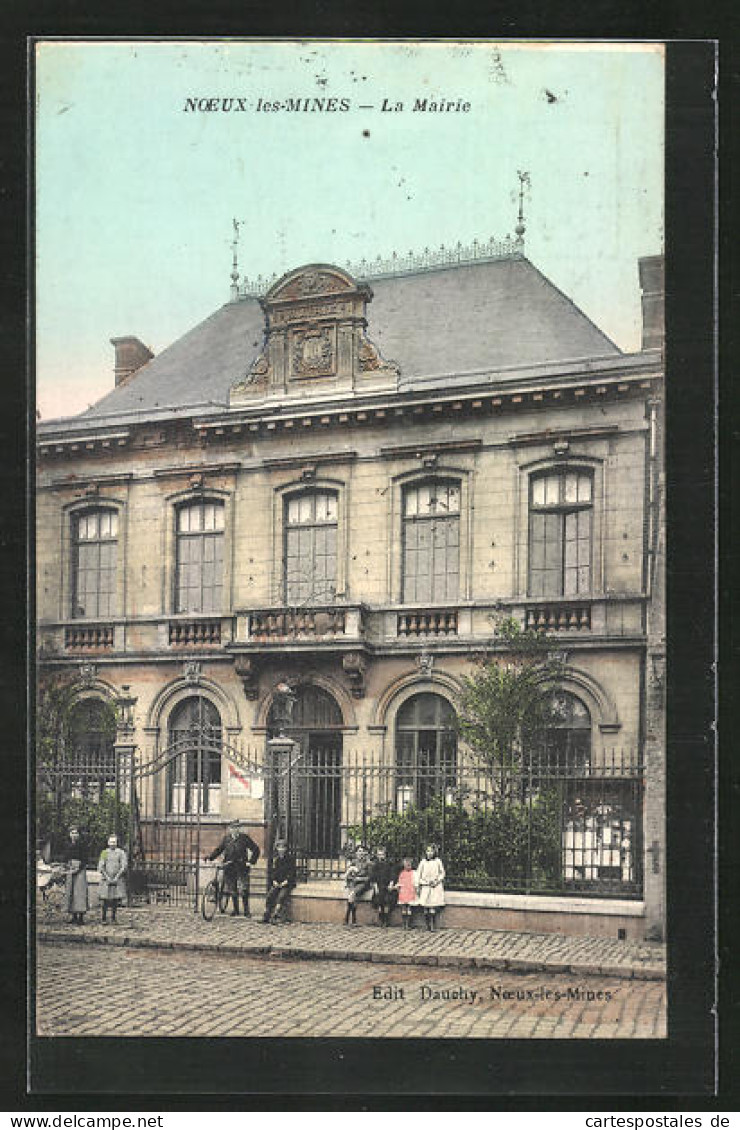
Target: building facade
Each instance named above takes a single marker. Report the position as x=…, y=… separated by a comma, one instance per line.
x=307, y=518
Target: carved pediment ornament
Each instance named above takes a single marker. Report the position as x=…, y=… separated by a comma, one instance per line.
x=246, y=667
x=315, y=321
x=370, y=359
x=192, y=672
x=88, y=673
x=312, y=282
x=313, y=351
x=355, y=666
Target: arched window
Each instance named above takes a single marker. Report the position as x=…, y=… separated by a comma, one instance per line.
x=431, y=542
x=568, y=735
x=565, y=748
x=426, y=750
x=94, y=552
x=199, y=557
x=311, y=547
x=90, y=760
x=560, y=532
x=194, y=773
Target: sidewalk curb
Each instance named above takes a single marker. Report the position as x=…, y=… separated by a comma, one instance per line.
x=302, y=953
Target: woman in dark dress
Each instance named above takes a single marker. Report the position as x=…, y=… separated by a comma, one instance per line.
x=74, y=853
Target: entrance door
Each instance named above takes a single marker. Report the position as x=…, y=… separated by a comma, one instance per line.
x=321, y=793
x=316, y=786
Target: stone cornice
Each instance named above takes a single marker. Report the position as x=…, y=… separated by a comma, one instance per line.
x=543, y=386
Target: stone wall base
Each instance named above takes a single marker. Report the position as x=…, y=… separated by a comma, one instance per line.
x=603, y=918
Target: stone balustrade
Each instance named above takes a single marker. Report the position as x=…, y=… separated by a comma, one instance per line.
x=195, y=633
x=427, y=623
x=89, y=637
x=559, y=617
x=275, y=624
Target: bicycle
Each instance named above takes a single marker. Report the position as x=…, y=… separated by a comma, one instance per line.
x=50, y=884
x=213, y=898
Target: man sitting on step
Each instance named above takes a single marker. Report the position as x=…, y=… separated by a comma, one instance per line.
x=283, y=881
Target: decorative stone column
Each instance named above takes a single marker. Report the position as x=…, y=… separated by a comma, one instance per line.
x=279, y=796
x=125, y=752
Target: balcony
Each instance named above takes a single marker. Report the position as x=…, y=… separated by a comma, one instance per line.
x=386, y=628
x=615, y=616
x=291, y=624
x=330, y=623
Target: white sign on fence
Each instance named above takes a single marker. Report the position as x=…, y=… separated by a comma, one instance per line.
x=242, y=785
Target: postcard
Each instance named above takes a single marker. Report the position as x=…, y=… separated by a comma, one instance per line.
x=351, y=539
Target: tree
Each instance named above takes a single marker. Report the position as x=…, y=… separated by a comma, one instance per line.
x=506, y=704
x=54, y=697
x=66, y=792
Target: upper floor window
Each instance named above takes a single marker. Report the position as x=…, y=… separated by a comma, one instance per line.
x=311, y=547
x=94, y=550
x=431, y=542
x=560, y=531
x=199, y=557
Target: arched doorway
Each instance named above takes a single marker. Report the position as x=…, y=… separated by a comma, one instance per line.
x=315, y=725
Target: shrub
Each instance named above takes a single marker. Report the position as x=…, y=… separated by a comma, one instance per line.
x=96, y=817
x=512, y=844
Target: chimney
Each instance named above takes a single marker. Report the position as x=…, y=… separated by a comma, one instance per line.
x=652, y=283
x=131, y=354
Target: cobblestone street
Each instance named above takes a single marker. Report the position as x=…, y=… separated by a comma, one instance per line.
x=111, y=991
x=505, y=951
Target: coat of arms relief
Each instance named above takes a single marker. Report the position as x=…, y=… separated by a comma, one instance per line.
x=313, y=351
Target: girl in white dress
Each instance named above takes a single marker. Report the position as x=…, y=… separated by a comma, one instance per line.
x=430, y=884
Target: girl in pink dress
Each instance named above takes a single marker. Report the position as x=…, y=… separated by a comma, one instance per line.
x=406, y=886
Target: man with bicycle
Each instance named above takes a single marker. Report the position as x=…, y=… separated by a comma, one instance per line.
x=240, y=853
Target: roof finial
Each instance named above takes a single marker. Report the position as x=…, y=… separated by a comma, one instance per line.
x=234, y=264
x=520, y=229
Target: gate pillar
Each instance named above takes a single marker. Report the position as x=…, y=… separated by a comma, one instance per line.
x=282, y=753
x=124, y=750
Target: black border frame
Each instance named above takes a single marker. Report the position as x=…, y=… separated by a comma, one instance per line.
x=326, y=1074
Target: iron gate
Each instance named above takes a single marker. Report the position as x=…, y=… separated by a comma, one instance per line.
x=178, y=812
x=544, y=829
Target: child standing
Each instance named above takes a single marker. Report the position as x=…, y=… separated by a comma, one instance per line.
x=350, y=877
x=407, y=900
x=429, y=880
x=356, y=883
x=112, y=867
x=384, y=889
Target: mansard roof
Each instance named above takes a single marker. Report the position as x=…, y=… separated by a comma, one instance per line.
x=438, y=326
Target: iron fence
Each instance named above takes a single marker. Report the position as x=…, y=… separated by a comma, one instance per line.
x=551, y=824
x=539, y=826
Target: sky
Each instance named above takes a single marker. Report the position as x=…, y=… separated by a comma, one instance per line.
x=135, y=194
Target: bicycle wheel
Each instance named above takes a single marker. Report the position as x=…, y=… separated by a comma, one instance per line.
x=209, y=901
